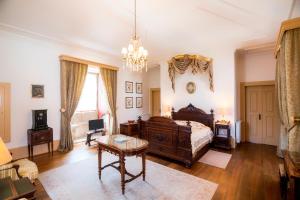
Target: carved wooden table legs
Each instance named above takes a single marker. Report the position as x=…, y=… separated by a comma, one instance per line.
x=99, y=161
x=121, y=168
x=144, y=165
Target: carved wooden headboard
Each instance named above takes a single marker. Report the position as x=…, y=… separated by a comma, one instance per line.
x=191, y=113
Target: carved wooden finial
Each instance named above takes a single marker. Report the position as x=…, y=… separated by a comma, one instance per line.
x=188, y=123
x=211, y=111
x=139, y=118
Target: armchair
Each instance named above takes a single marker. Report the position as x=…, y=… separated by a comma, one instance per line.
x=16, y=169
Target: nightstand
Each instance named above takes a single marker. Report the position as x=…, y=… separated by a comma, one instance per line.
x=222, y=135
x=130, y=129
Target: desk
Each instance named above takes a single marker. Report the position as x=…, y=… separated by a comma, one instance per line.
x=17, y=189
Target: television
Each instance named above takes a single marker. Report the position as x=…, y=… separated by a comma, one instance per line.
x=96, y=124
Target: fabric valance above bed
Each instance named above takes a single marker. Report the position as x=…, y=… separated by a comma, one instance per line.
x=197, y=63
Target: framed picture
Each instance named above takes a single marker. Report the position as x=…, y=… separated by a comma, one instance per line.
x=37, y=91
x=139, y=88
x=190, y=87
x=139, y=102
x=128, y=87
x=128, y=102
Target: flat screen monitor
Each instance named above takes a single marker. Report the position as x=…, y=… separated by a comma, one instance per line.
x=96, y=124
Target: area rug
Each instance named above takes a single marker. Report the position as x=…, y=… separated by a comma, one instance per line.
x=80, y=181
x=215, y=158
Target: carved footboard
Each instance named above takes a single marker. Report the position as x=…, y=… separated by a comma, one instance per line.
x=168, y=139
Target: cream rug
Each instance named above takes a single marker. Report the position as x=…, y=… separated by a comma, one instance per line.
x=80, y=181
x=215, y=158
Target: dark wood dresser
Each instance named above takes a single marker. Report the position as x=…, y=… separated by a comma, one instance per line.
x=222, y=135
x=130, y=129
x=37, y=137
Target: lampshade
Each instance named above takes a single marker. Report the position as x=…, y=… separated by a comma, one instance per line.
x=5, y=156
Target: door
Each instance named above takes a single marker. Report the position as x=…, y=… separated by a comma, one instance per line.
x=262, y=119
x=155, y=101
x=5, y=111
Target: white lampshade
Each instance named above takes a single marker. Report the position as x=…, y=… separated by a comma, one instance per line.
x=5, y=156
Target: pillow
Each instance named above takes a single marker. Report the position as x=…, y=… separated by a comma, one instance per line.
x=181, y=122
x=197, y=124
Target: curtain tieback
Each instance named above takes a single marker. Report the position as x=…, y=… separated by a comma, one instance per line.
x=62, y=110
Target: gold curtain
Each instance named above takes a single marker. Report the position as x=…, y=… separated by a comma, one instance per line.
x=198, y=64
x=288, y=88
x=110, y=82
x=72, y=77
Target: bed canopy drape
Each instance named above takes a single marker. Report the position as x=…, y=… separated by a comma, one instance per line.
x=197, y=63
x=288, y=83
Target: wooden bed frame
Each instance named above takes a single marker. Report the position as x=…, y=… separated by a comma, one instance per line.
x=168, y=139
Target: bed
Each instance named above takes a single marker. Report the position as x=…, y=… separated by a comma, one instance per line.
x=185, y=137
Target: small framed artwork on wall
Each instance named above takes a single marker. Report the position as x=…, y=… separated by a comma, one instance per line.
x=139, y=102
x=139, y=88
x=128, y=87
x=128, y=102
x=37, y=91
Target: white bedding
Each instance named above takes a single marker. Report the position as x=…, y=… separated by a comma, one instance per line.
x=201, y=135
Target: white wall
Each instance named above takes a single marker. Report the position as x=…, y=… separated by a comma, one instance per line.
x=257, y=66
x=252, y=66
x=151, y=79
x=27, y=60
x=224, y=84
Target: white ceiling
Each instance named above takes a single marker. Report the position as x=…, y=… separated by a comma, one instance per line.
x=166, y=27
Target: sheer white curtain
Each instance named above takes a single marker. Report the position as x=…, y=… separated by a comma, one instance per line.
x=103, y=106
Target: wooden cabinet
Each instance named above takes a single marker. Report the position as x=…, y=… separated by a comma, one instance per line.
x=130, y=129
x=37, y=137
x=222, y=135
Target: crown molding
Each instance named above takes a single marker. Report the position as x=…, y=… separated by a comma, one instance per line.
x=38, y=36
x=257, y=48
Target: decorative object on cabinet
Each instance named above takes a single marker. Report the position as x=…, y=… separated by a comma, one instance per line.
x=128, y=102
x=139, y=102
x=222, y=135
x=37, y=137
x=197, y=63
x=190, y=87
x=128, y=87
x=167, y=138
x=39, y=119
x=139, y=88
x=129, y=129
x=37, y=91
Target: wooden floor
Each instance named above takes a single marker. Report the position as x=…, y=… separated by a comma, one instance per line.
x=252, y=172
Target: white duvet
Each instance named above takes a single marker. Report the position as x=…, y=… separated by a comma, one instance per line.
x=201, y=135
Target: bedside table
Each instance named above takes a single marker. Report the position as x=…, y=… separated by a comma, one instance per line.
x=129, y=129
x=222, y=135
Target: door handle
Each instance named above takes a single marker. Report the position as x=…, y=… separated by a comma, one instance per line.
x=259, y=116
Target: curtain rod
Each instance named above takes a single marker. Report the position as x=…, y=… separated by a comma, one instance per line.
x=87, y=62
x=285, y=26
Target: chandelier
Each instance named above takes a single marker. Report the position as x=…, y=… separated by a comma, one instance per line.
x=135, y=55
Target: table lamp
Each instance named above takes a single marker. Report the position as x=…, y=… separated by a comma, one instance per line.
x=223, y=111
x=5, y=156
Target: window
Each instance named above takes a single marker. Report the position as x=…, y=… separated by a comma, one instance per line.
x=88, y=99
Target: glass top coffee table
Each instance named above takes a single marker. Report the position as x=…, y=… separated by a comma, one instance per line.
x=122, y=145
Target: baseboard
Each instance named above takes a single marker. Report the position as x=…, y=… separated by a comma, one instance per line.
x=22, y=152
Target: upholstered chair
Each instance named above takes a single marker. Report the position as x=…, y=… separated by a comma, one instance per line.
x=16, y=169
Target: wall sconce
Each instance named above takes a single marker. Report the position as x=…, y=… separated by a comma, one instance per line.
x=296, y=121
